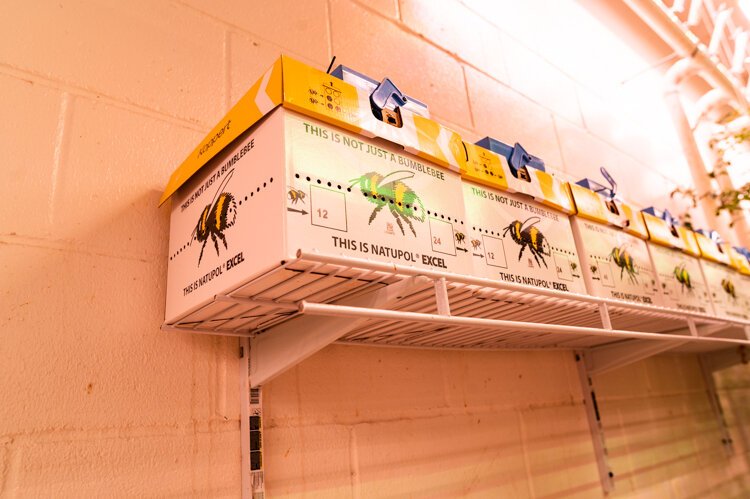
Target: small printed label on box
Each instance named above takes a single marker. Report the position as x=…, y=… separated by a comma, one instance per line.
x=605, y=274
x=441, y=233
x=328, y=208
x=494, y=252
x=563, y=266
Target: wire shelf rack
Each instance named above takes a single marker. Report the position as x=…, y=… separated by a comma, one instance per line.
x=443, y=310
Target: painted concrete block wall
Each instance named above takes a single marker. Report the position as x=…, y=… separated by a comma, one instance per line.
x=100, y=100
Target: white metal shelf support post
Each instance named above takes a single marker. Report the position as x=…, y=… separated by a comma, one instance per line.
x=713, y=397
x=710, y=363
x=606, y=476
x=264, y=356
x=251, y=430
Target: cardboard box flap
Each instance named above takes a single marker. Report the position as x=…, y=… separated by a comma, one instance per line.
x=633, y=220
x=662, y=232
x=554, y=192
x=688, y=237
x=589, y=204
x=493, y=170
x=307, y=91
x=738, y=261
x=262, y=97
x=594, y=206
x=485, y=167
x=710, y=249
x=320, y=95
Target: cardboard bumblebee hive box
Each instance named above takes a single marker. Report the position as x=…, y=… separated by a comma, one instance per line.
x=517, y=215
x=726, y=272
x=304, y=162
x=674, y=252
x=610, y=235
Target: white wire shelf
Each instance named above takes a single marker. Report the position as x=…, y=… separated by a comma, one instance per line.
x=441, y=310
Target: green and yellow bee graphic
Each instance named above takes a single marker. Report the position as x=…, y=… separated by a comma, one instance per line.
x=623, y=260
x=215, y=218
x=728, y=287
x=529, y=235
x=390, y=190
x=683, y=277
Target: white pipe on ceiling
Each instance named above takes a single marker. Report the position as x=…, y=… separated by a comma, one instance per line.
x=740, y=49
x=669, y=28
x=694, y=14
x=696, y=61
x=720, y=23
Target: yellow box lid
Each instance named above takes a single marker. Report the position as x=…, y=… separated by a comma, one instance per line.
x=304, y=89
x=593, y=206
x=661, y=232
x=491, y=169
x=688, y=238
x=710, y=250
x=738, y=261
x=485, y=167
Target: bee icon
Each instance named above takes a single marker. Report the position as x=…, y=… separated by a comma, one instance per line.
x=728, y=287
x=296, y=195
x=594, y=269
x=623, y=260
x=389, y=190
x=215, y=218
x=460, y=237
x=476, y=243
x=573, y=266
x=683, y=277
x=529, y=235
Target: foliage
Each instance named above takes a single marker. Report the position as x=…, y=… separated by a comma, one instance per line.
x=733, y=201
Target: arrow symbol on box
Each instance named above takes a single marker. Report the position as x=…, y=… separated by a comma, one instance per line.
x=301, y=212
x=462, y=249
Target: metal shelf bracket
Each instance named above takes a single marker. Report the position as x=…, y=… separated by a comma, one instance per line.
x=606, y=476
x=715, y=401
x=606, y=358
x=295, y=340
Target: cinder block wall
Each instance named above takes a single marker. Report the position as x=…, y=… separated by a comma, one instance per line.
x=100, y=100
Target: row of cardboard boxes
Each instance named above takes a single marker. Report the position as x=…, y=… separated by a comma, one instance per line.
x=340, y=164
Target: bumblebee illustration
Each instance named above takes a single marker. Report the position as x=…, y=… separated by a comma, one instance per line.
x=728, y=286
x=460, y=237
x=683, y=277
x=215, y=219
x=476, y=243
x=389, y=190
x=296, y=195
x=573, y=266
x=529, y=235
x=623, y=260
x=594, y=269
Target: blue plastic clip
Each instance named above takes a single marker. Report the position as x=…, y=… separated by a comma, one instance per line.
x=743, y=251
x=518, y=158
x=386, y=99
x=608, y=192
x=711, y=234
x=663, y=214
x=666, y=216
x=382, y=97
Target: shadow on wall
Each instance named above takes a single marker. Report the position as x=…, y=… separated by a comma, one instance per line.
x=87, y=363
x=384, y=422
x=661, y=433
